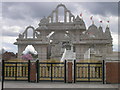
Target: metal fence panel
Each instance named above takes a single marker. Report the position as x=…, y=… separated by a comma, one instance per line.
x=15, y=70
x=89, y=72
x=51, y=71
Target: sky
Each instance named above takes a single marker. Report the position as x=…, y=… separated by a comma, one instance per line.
x=16, y=16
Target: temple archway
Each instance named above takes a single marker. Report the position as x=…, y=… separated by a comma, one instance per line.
x=30, y=50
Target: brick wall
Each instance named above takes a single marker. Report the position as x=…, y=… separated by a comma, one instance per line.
x=112, y=72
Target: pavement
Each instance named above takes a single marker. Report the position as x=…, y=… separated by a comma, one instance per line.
x=25, y=84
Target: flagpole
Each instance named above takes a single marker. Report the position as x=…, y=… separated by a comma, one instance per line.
x=81, y=15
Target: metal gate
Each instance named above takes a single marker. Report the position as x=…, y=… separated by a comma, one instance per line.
x=89, y=71
x=47, y=71
x=84, y=71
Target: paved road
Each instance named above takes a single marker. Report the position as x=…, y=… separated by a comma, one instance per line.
x=24, y=84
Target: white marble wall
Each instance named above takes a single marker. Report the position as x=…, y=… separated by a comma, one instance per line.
x=42, y=51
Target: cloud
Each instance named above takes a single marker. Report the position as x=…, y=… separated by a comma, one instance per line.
x=9, y=47
x=27, y=9
x=11, y=31
x=20, y=10
x=102, y=8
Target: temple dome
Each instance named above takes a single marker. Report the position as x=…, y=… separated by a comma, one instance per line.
x=79, y=20
x=101, y=29
x=93, y=31
x=92, y=27
x=108, y=33
x=79, y=23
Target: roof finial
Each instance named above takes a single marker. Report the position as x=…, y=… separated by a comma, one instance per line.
x=101, y=23
x=91, y=18
x=81, y=15
x=108, y=23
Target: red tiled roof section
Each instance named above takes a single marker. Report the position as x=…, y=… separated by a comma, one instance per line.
x=8, y=56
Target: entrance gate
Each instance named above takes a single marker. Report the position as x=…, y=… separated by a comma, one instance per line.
x=82, y=71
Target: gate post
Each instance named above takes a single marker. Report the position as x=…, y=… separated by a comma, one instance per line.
x=65, y=71
x=37, y=68
x=70, y=72
x=51, y=72
x=29, y=71
x=16, y=71
x=2, y=75
x=74, y=71
x=103, y=71
x=88, y=72
x=33, y=72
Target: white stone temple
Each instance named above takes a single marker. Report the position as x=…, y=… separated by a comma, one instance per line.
x=54, y=38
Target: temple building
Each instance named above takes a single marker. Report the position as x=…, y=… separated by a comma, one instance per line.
x=53, y=38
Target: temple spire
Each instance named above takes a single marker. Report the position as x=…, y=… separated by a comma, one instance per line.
x=108, y=33
x=101, y=29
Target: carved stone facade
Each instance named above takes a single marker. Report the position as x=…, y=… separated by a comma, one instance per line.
x=70, y=32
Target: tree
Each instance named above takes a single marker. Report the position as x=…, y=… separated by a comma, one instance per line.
x=27, y=57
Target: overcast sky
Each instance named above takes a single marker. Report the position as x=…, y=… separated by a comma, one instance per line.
x=16, y=16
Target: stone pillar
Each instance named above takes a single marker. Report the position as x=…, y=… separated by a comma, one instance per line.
x=21, y=48
x=26, y=34
x=33, y=33
x=52, y=18
x=57, y=15
x=77, y=52
x=69, y=17
x=65, y=16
